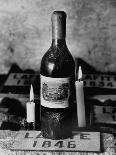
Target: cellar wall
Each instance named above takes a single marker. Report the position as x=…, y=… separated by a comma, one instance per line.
x=25, y=32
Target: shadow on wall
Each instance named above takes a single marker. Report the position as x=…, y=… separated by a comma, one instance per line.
x=88, y=68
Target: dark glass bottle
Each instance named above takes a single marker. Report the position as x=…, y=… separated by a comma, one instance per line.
x=57, y=74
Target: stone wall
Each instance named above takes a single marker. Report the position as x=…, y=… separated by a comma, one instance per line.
x=25, y=31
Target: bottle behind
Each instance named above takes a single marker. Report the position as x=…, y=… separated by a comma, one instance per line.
x=57, y=75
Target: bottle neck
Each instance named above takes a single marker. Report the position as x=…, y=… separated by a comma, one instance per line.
x=58, y=25
x=58, y=42
x=58, y=32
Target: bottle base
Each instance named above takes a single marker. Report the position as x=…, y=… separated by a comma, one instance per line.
x=56, y=124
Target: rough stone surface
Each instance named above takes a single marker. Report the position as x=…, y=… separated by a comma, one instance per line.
x=25, y=31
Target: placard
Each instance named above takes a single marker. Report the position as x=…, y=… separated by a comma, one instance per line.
x=81, y=141
x=20, y=79
x=100, y=80
x=103, y=110
x=17, y=85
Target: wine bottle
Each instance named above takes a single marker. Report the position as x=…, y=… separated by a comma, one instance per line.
x=57, y=72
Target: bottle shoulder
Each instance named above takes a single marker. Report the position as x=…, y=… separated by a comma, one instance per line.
x=57, y=61
x=58, y=53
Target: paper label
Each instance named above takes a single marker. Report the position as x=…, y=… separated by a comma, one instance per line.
x=55, y=92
